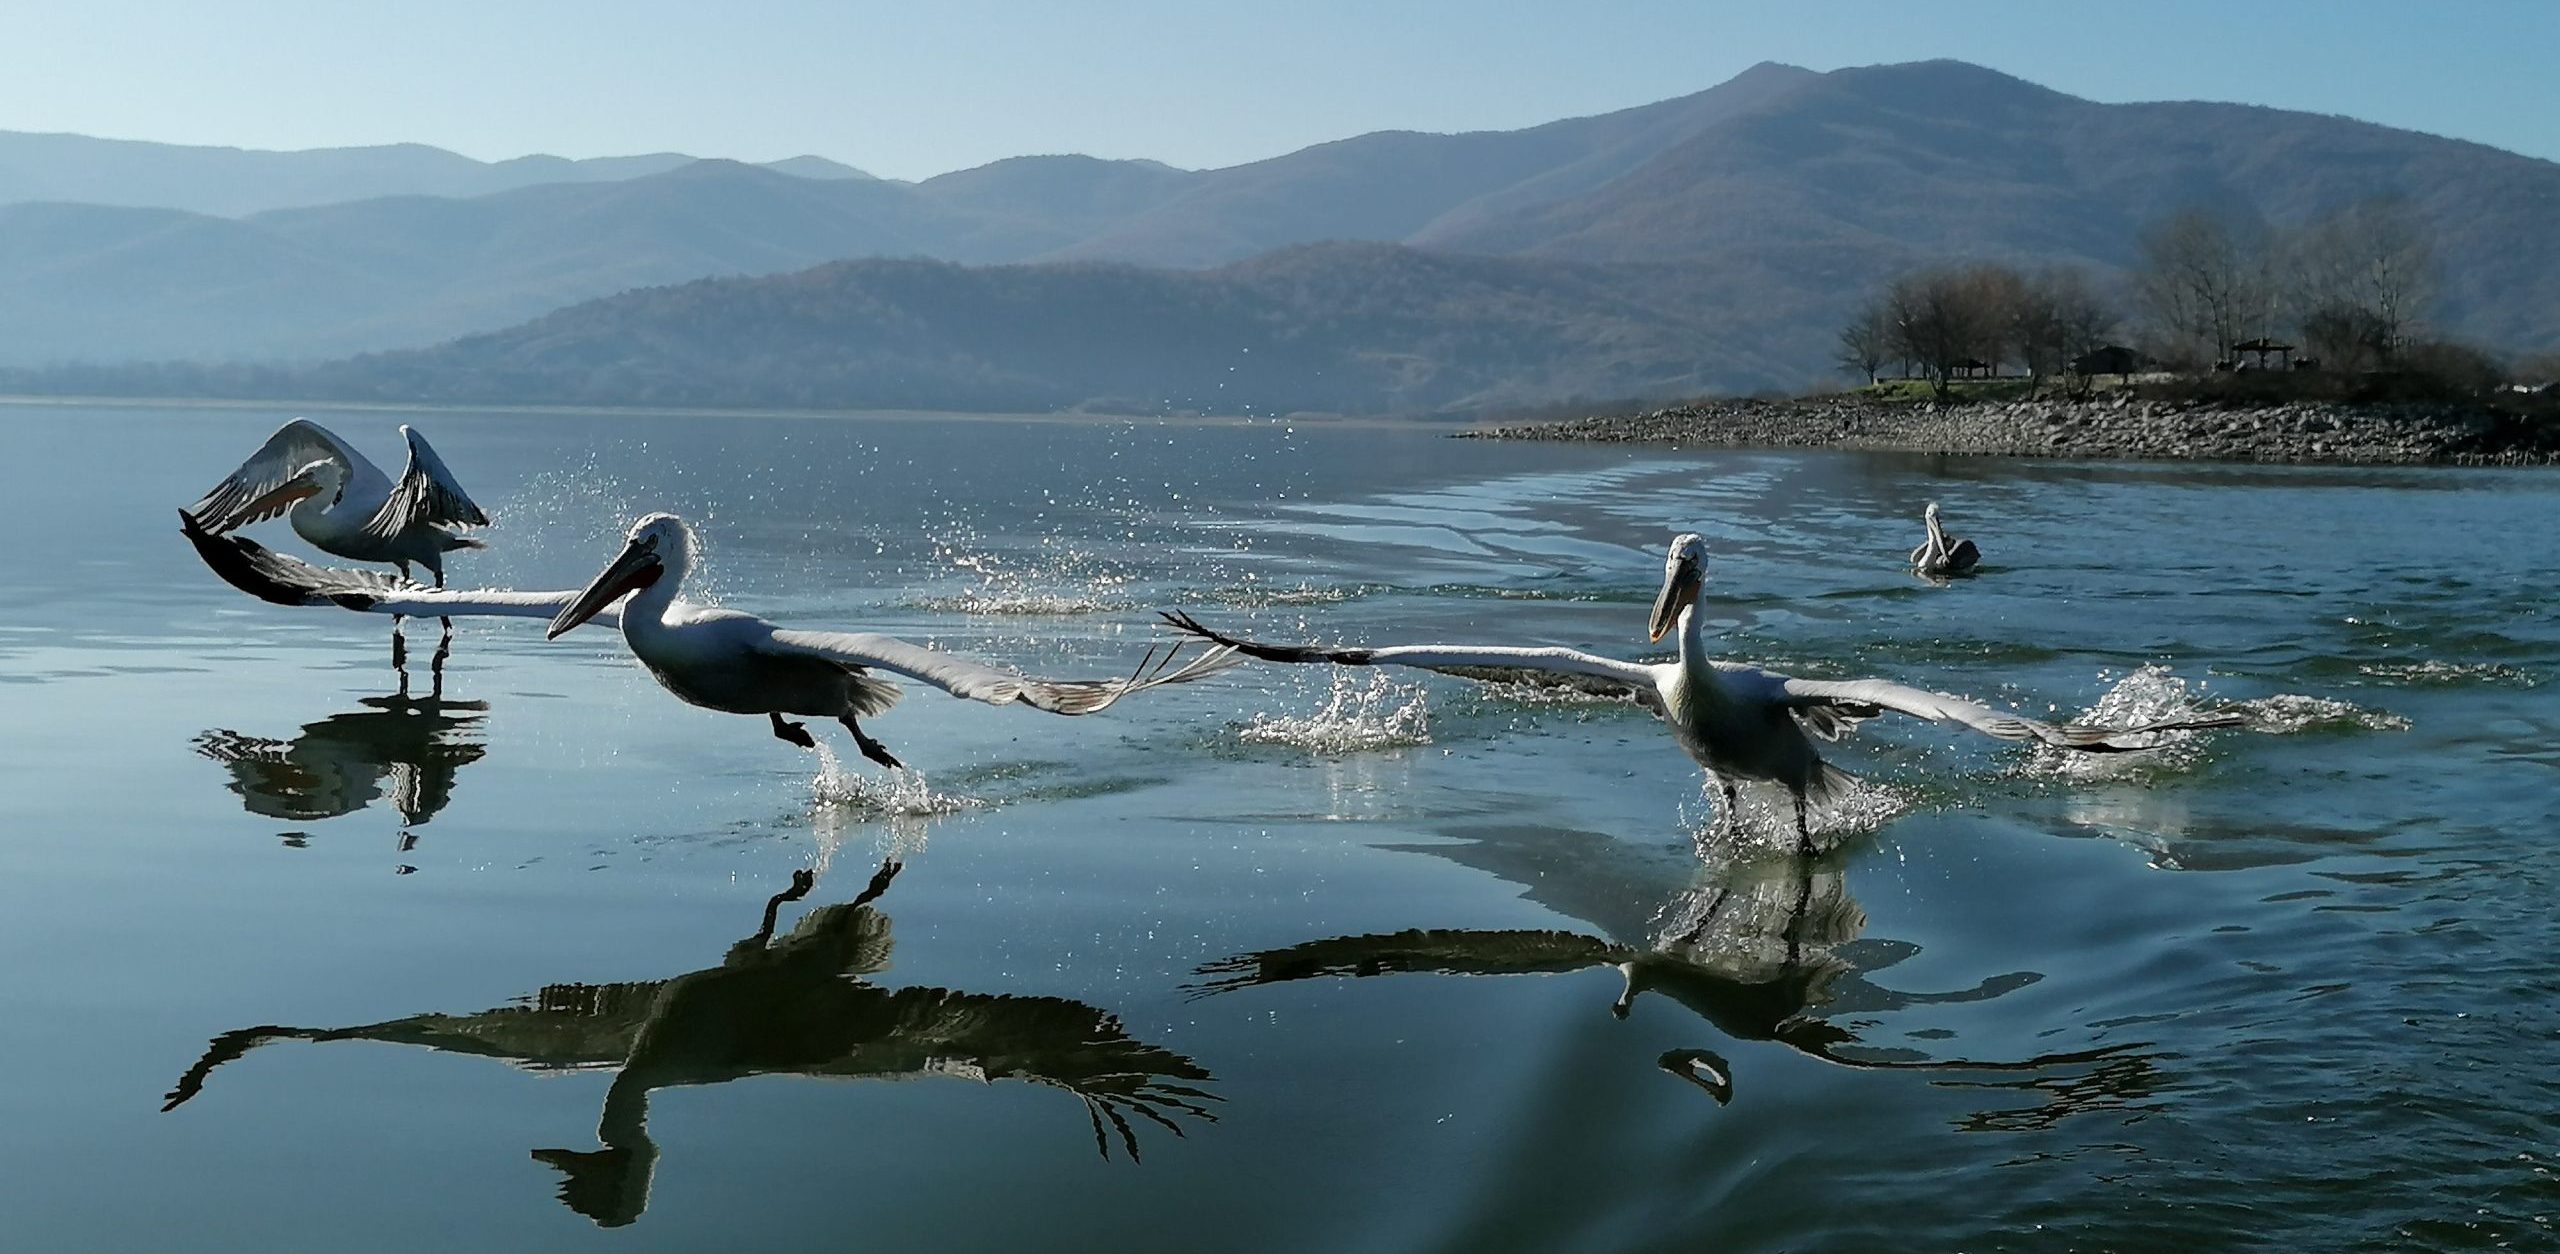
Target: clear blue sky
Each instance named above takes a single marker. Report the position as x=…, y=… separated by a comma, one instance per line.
x=913, y=89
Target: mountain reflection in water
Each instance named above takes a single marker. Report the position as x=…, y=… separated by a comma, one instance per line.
x=793, y=1006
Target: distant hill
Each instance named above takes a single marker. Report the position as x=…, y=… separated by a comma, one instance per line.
x=1334, y=327
x=1752, y=214
x=233, y=182
x=89, y=283
x=1865, y=171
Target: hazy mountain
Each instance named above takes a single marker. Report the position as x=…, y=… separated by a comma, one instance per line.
x=1391, y=185
x=1761, y=208
x=84, y=282
x=1334, y=327
x=231, y=182
x=1862, y=172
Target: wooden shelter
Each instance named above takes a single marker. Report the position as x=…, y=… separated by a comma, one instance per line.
x=2260, y=349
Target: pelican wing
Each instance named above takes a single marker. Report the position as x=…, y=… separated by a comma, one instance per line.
x=427, y=495
x=977, y=681
x=283, y=580
x=1551, y=667
x=1856, y=699
x=295, y=445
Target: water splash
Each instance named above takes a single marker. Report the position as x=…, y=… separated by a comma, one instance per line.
x=1256, y=595
x=579, y=512
x=882, y=793
x=2287, y=713
x=1051, y=581
x=2151, y=694
x=1359, y=714
x=1508, y=692
x=2435, y=672
x=1766, y=819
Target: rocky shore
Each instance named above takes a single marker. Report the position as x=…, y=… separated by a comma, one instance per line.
x=2120, y=427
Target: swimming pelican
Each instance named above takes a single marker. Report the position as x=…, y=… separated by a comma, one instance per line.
x=345, y=506
x=1938, y=559
x=714, y=658
x=1739, y=722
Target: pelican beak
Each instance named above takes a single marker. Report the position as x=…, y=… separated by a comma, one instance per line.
x=1679, y=592
x=635, y=568
x=276, y=502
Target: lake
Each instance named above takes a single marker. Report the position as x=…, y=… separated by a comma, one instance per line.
x=1288, y=959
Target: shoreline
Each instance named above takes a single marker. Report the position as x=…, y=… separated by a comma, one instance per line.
x=17, y=400
x=2115, y=428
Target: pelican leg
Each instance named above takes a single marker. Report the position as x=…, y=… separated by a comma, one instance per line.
x=871, y=749
x=802, y=881
x=1804, y=830
x=447, y=642
x=794, y=733
x=399, y=643
x=1732, y=807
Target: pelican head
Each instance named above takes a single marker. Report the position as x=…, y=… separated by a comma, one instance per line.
x=1684, y=571
x=1930, y=515
x=652, y=545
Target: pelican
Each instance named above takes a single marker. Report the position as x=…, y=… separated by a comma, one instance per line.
x=1739, y=722
x=1938, y=559
x=714, y=658
x=345, y=506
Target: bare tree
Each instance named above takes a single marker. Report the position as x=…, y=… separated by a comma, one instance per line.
x=1866, y=343
x=2057, y=319
x=1938, y=321
x=1994, y=293
x=2204, y=281
x=2365, y=278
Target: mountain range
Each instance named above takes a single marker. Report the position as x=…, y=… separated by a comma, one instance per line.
x=1711, y=241
x=233, y=182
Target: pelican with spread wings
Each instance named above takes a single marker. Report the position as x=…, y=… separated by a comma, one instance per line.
x=1739, y=722
x=345, y=506
x=714, y=658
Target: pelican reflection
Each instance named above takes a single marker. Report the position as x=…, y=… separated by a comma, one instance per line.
x=403, y=748
x=798, y=1005
x=1769, y=950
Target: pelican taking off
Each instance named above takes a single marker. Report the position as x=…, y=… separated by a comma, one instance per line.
x=1739, y=722
x=344, y=506
x=1936, y=557
x=714, y=658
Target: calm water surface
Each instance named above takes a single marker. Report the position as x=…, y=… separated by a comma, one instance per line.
x=1280, y=961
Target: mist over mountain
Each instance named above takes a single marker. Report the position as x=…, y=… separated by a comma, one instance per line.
x=231, y=182
x=1712, y=241
x=1346, y=328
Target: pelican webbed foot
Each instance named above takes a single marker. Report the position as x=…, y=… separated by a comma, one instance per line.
x=879, y=884
x=1703, y=1068
x=792, y=733
x=871, y=749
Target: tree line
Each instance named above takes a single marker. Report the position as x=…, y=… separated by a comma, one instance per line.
x=2351, y=290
